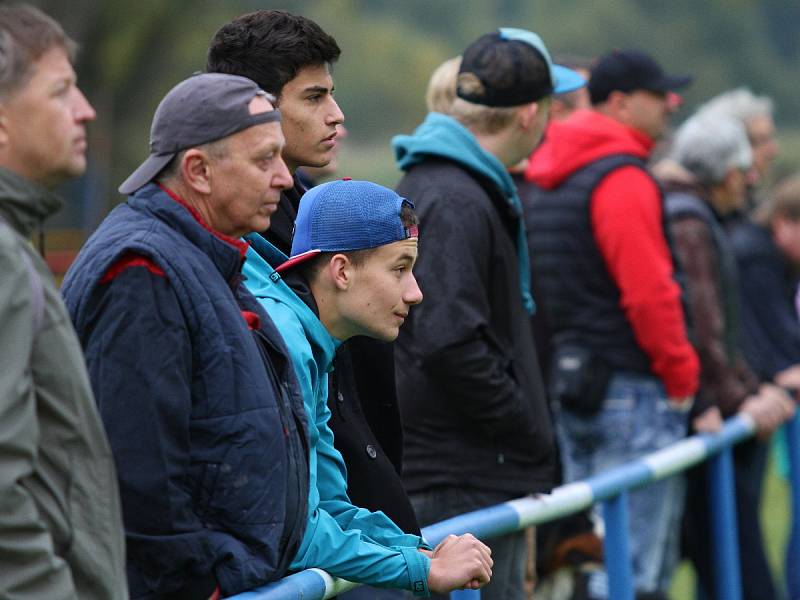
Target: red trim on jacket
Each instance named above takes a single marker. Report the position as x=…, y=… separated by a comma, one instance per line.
x=252, y=319
x=131, y=260
x=240, y=245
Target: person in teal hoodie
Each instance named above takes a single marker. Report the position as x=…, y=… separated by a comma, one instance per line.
x=350, y=274
x=476, y=426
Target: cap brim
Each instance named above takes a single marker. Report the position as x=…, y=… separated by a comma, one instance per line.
x=145, y=173
x=567, y=80
x=672, y=82
x=296, y=260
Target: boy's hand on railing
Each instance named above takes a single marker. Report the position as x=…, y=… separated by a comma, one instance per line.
x=460, y=562
x=770, y=408
x=708, y=421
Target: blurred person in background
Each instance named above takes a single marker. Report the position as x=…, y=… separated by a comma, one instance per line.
x=569, y=542
x=441, y=91
x=567, y=103
x=60, y=517
x=623, y=373
x=756, y=115
x=768, y=258
x=714, y=150
x=475, y=418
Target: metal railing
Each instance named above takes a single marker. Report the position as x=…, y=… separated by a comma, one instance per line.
x=611, y=489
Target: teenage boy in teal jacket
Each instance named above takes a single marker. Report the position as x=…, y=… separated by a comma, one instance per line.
x=354, y=247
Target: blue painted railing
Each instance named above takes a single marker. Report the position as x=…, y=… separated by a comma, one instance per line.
x=611, y=489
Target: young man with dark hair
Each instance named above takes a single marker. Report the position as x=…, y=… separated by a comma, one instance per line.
x=477, y=428
x=350, y=274
x=290, y=56
x=60, y=517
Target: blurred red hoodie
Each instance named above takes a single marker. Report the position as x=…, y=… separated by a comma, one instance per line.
x=627, y=219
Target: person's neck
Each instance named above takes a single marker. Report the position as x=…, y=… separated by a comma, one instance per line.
x=329, y=315
x=720, y=199
x=500, y=146
x=191, y=198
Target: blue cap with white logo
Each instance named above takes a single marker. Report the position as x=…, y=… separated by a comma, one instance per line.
x=346, y=215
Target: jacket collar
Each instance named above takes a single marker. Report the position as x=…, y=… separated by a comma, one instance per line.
x=264, y=282
x=25, y=204
x=225, y=252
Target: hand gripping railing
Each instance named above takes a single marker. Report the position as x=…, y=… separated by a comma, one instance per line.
x=611, y=489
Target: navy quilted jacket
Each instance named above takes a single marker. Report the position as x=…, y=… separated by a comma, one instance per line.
x=200, y=403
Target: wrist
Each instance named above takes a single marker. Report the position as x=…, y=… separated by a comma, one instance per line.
x=681, y=404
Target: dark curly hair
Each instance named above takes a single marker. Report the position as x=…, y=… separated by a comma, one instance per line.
x=270, y=47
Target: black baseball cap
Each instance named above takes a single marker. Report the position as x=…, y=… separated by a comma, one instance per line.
x=630, y=70
x=202, y=109
x=510, y=67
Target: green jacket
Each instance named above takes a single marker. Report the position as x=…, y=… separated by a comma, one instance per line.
x=60, y=519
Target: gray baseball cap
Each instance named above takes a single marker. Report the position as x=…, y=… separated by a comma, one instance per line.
x=204, y=108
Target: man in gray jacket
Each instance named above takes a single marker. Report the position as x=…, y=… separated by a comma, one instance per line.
x=60, y=524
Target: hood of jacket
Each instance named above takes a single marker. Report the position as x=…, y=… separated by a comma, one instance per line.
x=586, y=136
x=442, y=136
x=25, y=204
x=264, y=282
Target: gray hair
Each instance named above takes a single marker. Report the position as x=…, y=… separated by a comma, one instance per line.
x=26, y=33
x=709, y=144
x=740, y=103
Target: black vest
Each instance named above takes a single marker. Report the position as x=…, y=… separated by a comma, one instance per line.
x=571, y=279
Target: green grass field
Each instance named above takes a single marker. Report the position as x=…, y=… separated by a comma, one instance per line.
x=775, y=520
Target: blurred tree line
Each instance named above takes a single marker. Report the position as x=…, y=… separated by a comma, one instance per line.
x=132, y=53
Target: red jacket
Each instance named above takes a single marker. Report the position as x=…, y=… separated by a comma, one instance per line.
x=626, y=215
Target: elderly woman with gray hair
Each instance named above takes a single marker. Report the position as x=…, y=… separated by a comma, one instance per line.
x=714, y=153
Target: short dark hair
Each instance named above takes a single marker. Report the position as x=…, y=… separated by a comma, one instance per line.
x=357, y=258
x=26, y=33
x=270, y=47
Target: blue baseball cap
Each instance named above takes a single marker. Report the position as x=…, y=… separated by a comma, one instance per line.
x=346, y=215
x=505, y=68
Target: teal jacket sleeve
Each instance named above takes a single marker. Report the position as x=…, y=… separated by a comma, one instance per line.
x=332, y=486
x=341, y=549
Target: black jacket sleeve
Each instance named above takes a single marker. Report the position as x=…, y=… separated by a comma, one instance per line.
x=770, y=327
x=451, y=327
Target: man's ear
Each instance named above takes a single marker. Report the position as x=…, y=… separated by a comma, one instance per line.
x=527, y=115
x=617, y=104
x=196, y=170
x=340, y=270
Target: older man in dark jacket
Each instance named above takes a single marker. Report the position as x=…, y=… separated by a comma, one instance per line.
x=477, y=429
x=199, y=400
